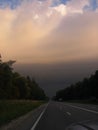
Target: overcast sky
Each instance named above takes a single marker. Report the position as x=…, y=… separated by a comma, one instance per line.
x=51, y=32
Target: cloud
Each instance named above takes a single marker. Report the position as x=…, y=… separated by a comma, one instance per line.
x=37, y=32
x=76, y=6
x=22, y=28
x=75, y=39
x=92, y=6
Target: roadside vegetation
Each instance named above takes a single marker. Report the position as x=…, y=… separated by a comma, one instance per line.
x=11, y=109
x=85, y=91
x=89, y=101
x=18, y=94
x=15, y=86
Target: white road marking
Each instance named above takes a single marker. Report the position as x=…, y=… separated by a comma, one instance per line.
x=68, y=113
x=95, y=112
x=35, y=124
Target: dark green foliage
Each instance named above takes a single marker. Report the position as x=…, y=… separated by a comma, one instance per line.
x=15, y=86
x=86, y=89
x=11, y=109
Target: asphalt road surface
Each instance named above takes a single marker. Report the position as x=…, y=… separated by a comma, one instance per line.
x=59, y=116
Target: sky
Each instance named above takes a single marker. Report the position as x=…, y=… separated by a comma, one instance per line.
x=50, y=33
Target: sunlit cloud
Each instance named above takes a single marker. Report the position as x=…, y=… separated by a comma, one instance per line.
x=42, y=32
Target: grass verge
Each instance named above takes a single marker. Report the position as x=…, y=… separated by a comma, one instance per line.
x=94, y=102
x=12, y=109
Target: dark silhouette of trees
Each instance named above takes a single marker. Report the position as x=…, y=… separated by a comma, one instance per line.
x=5, y=80
x=86, y=89
x=15, y=86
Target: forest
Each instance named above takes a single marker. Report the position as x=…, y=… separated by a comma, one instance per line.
x=87, y=89
x=15, y=86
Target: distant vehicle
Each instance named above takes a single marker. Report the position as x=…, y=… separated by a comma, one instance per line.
x=60, y=100
x=87, y=125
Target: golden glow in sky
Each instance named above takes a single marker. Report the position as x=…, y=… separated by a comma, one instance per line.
x=37, y=32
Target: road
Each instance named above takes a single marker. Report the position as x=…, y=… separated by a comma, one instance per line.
x=58, y=115
x=55, y=116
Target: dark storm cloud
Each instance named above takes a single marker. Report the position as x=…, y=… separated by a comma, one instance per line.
x=52, y=77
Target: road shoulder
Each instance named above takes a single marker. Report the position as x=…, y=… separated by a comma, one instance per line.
x=25, y=122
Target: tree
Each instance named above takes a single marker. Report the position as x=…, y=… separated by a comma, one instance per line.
x=15, y=86
x=86, y=89
x=5, y=80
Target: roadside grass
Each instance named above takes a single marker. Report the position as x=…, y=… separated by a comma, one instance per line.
x=11, y=109
x=93, y=102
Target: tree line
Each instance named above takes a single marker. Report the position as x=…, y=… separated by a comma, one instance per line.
x=15, y=86
x=85, y=89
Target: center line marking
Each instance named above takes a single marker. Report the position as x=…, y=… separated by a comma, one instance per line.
x=68, y=113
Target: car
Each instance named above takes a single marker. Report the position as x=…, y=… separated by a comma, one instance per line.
x=85, y=125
